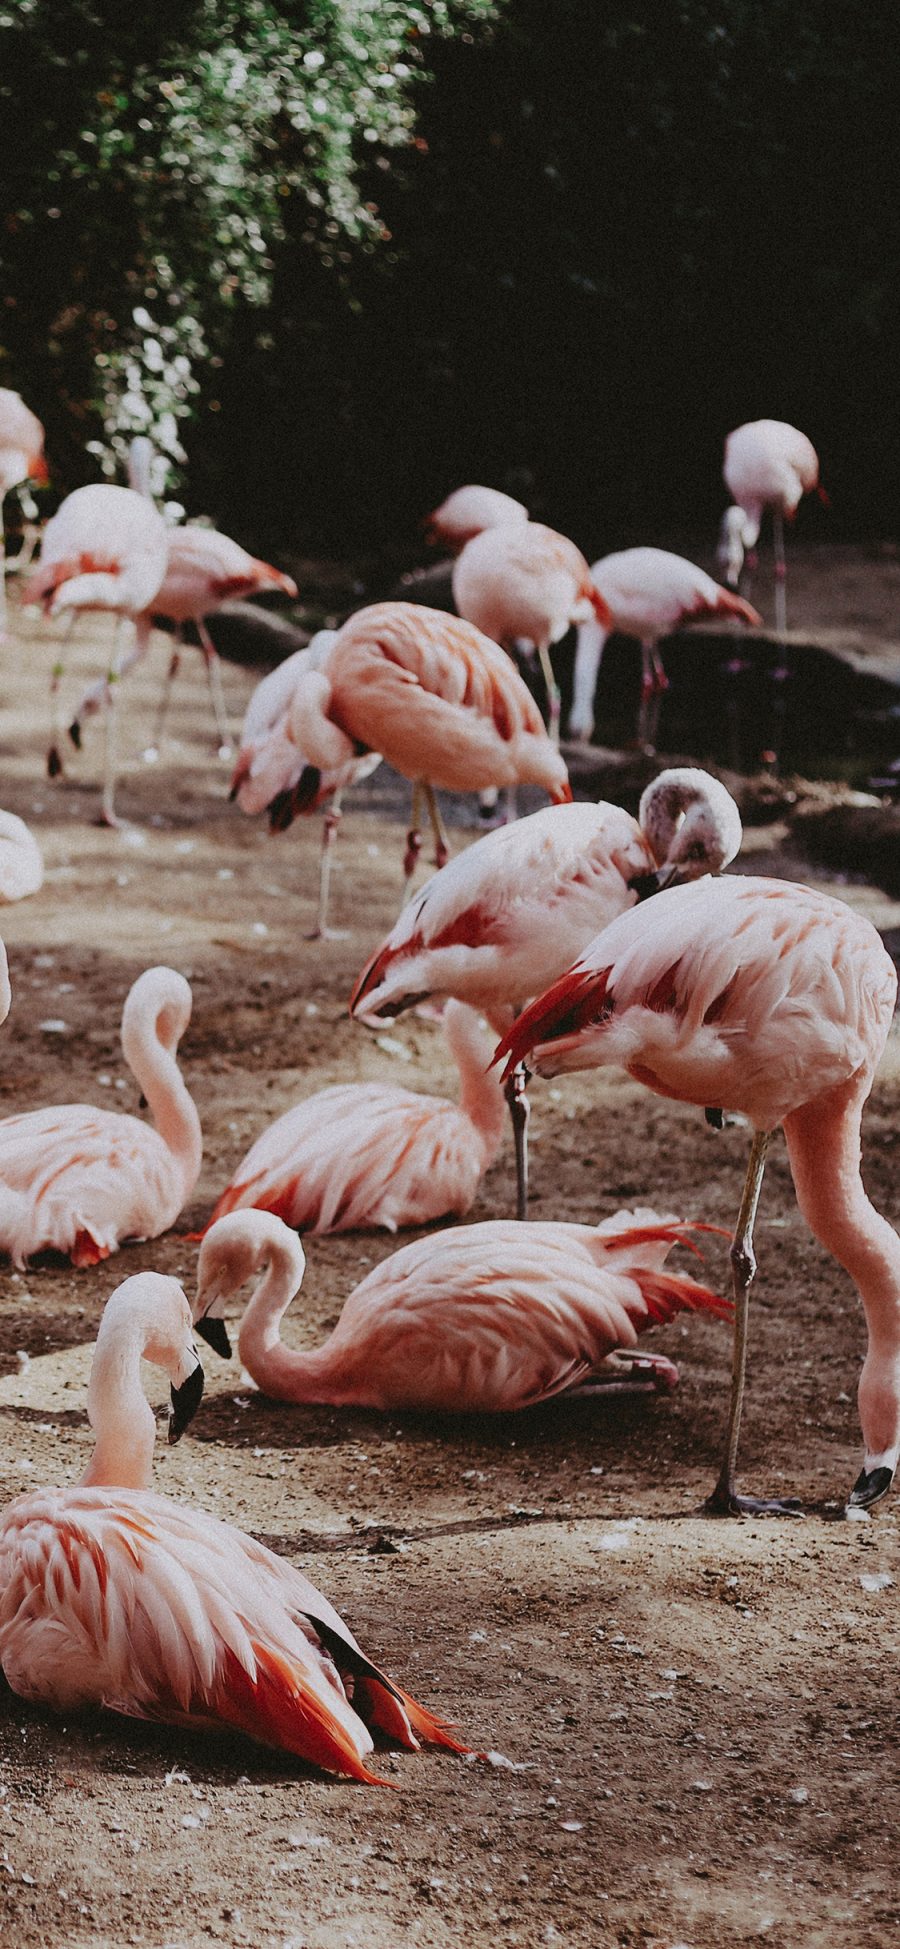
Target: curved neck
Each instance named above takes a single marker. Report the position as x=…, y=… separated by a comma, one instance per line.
x=277, y=1369
x=171, y=1106
x=480, y=1094
x=119, y=1414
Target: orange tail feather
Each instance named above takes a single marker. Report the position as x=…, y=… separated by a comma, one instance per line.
x=276, y=1708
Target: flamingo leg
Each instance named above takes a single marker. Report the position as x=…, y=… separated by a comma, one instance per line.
x=724, y=1500
x=108, y=815
x=780, y=571
x=629, y=1373
x=441, y=841
x=519, y=1110
x=216, y=691
x=553, y=696
x=57, y=733
x=413, y=842
x=4, y=572
x=165, y=698
x=330, y=824
x=645, y=725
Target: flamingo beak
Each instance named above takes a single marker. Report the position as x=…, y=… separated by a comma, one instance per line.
x=186, y=1400
x=214, y=1331
x=38, y=471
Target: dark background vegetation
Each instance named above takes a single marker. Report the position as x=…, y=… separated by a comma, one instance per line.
x=621, y=230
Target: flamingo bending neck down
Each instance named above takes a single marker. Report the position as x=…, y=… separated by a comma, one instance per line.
x=481, y=1319
x=80, y=1180
x=774, y=1000
x=769, y=465
x=499, y=923
x=362, y=1156
x=468, y=511
x=111, y=1596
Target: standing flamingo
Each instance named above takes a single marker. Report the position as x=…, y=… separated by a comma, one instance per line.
x=649, y=593
x=21, y=459
x=769, y=464
x=527, y=583
x=438, y=699
x=366, y=1155
x=105, y=548
x=112, y=1596
x=776, y=1001
x=503, y=920
x=468, y=511
x=81, y=1180
x=21, y=861
x=483, y=1319
x=272, y=773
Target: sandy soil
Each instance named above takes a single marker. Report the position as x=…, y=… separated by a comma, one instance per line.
x=693, y=1724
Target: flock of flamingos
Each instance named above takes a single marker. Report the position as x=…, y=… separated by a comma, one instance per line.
x=582, y=936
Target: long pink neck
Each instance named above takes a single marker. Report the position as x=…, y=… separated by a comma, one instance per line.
x=285, y=1373
x=480, y=1093
x=120, y=1415
x=823, y=1141
x=172, y=1108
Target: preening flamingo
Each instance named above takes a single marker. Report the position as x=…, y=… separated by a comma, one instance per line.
x=21, y=860
x=504, y=919
x=112, y=1596
x=439, y=700
x=362, y=1156
x=105, y=548
x=272, y=773
x=469, y=510
x=774, y=1000
x=21, y=459
x=649, y=593
x=81, y=1180
x=769, y=464
x=526, y=583
x=481, y=1319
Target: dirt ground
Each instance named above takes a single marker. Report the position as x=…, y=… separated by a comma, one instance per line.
x=691, y=1726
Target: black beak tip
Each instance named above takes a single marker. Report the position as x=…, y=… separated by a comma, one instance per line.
x=869, y=1488
x=186, y=1400
x=215, y=1333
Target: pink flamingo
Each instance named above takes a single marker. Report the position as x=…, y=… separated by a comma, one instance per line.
x=505, y=918
x=527, y=583
x=81, y=1180
x=21, y=459
x=21, y=861
x=272, y=773
x=105, y=548
x=366, y=1155
x=481, y=1319
x=438, y=699
x=775, y=1001
x=769, y=464
x=649, y=593
x=468, y=511
x=112, y=1596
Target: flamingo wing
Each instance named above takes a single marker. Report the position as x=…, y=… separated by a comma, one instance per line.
x=79, y=1180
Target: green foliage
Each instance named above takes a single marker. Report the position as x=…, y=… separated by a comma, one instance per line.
x=148, y=155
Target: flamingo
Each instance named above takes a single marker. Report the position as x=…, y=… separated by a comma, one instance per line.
x=80, y=1180
x=271, y=773
x=482, y=1319
x=527, y=583
x=504, y=919
x=367, y=1155
x=769, y=464
x=112, y=1596
x=649, y=593
x=105, y=548
x=468, y=511
x=21, y=459
x=775, y=1001
x=21, y=861
x=438, y=699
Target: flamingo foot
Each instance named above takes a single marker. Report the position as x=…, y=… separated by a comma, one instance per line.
x=869, y=1487
x=54, y=762
x=631, y=1373
x=318, y=933
x=75, y=732
x=107, y=817
x=725, y=1501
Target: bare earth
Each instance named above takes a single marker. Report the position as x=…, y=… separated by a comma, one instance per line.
x=692, y=1725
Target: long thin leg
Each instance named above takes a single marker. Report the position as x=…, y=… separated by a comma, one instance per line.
x=648, y=687
x=413, y=841
x=216, y=691
x=96, y=697
x=165, y=695
x=553, y=697
x=57, y=732
x=780, y=571
x=441, y=841
x=330, y=823
x=724, y=1500
x=519, y=1109
x=108, y=816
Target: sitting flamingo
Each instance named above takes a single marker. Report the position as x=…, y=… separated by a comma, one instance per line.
x=483, y=1318
x=364, y=1155
x=81, y=1180
x=112, y=1596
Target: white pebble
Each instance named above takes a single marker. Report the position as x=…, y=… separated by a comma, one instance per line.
x=54, y=1026
x=876, y=1580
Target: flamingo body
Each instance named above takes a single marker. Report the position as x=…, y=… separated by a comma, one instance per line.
x=21, y=443
x=525, y=582
x=79, y=1180
x=272, y=772
x=769, y=464
x=105, y=548
x=113, y=1596
x=21, y=861
x=468, y=510
x=205, y=569
x=363, y=1156
x=485, y=1318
